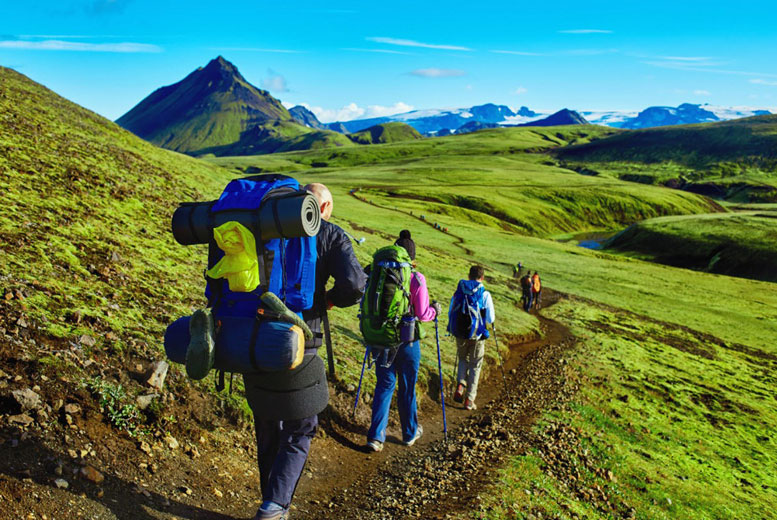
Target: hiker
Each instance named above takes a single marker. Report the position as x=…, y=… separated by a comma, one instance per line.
x=536, y=289
x=517, y=270
x=471, y=310
x=286, y=405
x=526, y=288
x=400, y=364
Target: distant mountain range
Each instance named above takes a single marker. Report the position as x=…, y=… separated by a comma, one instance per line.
x=216, y=110
x=463, y=120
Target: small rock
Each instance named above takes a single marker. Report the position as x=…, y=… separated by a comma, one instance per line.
x=115, y=257
x=61, y=483
x=157, y=375
x=145, y=448
x=172, y=443
x=144, y=401
x=91, y=474
x=669, y=501
x=22, y=418
x=350, y=388
x=58, y=469
x=185, y=490
x=27, y=399
x=111, y=337
x=72, y=409
x=22, y=322
x=87, y=341
x=218, y=493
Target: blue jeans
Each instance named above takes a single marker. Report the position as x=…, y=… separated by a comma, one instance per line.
x=282, y=448
x=405, y=369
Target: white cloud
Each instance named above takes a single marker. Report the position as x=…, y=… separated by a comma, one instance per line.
x=586, y=31
x=520, y=90
x=702, y=92
x=518, y=53
x=437, y=73
x=381, y=111
x=379, y=51
x=59, y=45
x=764, y=82
x=274, y=82
x=327, y=115
x=413, y=43
x=696, y=67
x=256, y=49
x=353, y=111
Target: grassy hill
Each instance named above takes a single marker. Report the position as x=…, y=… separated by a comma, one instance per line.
x=670, y=387
x=215, y=110
x=385, y=133
x=735, y=244
x=735, y=160
x=501, y=178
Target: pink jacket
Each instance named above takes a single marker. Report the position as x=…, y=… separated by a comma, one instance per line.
x=419, y=298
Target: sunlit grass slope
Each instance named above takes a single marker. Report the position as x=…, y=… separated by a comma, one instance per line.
x=735, y=160
x=736, y=244
x=85, y=224
x=493, y=173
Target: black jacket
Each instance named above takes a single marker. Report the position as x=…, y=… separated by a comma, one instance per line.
x=337, y=260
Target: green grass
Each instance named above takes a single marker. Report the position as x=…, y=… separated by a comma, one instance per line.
x=736, y=244
x=732, y=160
x=682, y=422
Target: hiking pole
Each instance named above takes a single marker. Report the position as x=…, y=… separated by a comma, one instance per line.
x=499, y=356
x=330, y=357
x=439, y=368
x=358, y=390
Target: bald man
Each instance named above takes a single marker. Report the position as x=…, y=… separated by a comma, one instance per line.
x=283, y=446
x=324, y=197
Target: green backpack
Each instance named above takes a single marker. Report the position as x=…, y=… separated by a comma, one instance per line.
x=386, y=298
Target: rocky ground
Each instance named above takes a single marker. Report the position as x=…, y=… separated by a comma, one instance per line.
x=60, y=457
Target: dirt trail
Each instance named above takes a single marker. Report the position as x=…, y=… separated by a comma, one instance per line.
x=403, y=482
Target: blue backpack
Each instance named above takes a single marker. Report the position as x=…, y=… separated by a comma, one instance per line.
x=465, y=317
x=249, y=336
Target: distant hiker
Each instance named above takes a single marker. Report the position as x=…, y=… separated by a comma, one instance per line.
x=536, y=289
x=286, y=404
x=470, y=311
x=517, y=270
x=400, y=364
x=526, y=289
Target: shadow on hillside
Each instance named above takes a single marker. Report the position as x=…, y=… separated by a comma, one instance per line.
x=33, y=460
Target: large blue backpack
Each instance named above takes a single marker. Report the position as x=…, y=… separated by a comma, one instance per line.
x=249, y=337
x=466, y=318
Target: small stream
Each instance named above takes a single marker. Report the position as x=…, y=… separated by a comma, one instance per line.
x=591, y=239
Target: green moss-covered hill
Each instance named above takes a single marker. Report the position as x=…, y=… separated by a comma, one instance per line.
x=385, y=133
x=735, y=160
x=216, y=110
x=735, y=244
x=85, y=225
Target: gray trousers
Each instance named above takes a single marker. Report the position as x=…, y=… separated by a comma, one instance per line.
x=471, y=353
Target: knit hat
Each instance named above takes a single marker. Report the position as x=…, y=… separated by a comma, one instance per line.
x=408, y=244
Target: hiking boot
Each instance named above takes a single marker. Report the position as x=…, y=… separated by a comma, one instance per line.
x=202, y=344
x=459, y=395
x=418, y=432
x=470, y=405
x=271, y=511
x=374, y=445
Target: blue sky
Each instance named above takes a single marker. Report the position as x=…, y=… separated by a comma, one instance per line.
x=360, y=59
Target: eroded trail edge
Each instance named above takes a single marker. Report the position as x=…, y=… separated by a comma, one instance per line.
x=435, y=479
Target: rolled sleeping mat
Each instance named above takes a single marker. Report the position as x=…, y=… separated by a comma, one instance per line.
x=274, y=346
x=288, y=216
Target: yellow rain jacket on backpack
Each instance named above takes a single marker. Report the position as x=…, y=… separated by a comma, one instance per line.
x=239, y=264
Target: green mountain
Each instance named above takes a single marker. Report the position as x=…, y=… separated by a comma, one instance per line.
x=735, y=160
x=215, y=110
x=385, y=133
